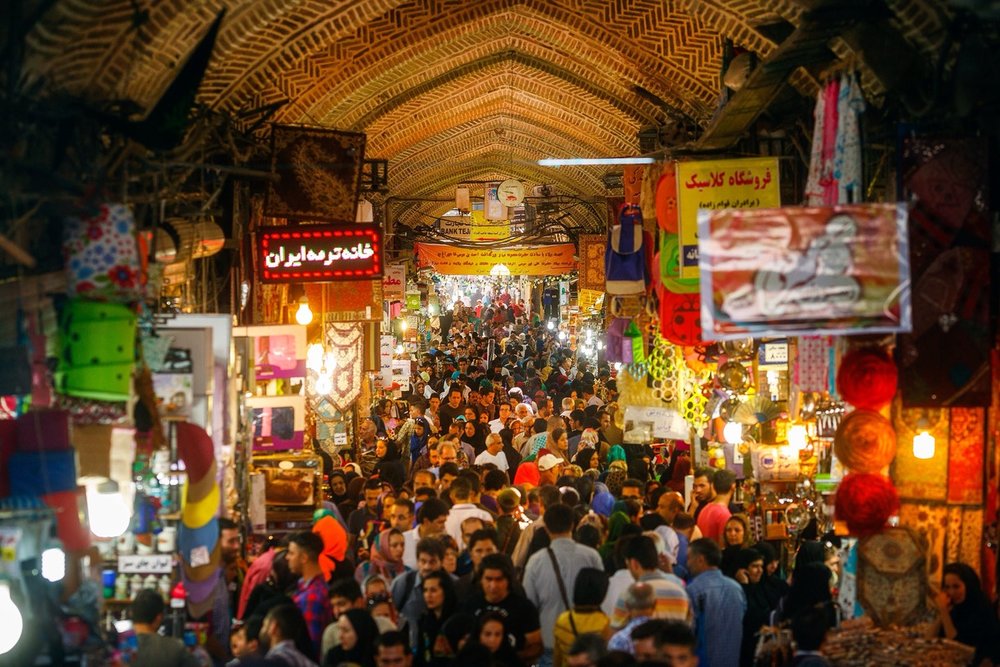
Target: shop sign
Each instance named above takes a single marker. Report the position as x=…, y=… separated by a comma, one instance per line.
x=544, y=260
x=153, y=564
x=413, y=301
x=716, y=185
x=474, y=227
x=394, y=282
x=401, y=373
x=386, y=346
x=804, y=271
x=313, y=253
x=9, y=539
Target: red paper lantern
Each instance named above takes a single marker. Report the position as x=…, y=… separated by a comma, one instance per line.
x=866, y=502
x=865, y=441
x=867, y=379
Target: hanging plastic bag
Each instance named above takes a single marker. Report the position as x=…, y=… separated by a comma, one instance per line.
x=635, y=343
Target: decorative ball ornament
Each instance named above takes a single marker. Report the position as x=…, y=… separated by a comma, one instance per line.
x=733, y=376
x=865, y=502
x=867, y=378
x=865, y=441
x=738, y=349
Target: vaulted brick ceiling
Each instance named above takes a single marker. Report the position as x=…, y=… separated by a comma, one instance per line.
x=447, y=90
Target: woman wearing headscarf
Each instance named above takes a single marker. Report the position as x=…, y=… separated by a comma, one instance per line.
x=750, y=575
x=774, y=586
x=587, y=458
x=810, y=588
x=334, y=539
x=965, y=613
x=474, y=435
x=389, y=467
x=735, y=538
x=386, y=557
x=438, y=590
x=358, y=632
x=418, y=439
x=616, y=476
x=355, y=485
x=616, y=526
x=338, y=487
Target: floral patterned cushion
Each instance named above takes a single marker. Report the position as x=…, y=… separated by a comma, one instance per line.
x=102, y=258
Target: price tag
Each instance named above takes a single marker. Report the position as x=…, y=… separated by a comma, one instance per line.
x=200, y=556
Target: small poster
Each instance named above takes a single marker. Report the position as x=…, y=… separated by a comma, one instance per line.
x=495, y=209
x=394, y=282
x=804, y=271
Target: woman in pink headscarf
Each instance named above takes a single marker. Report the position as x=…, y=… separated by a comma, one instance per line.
x=386, y=557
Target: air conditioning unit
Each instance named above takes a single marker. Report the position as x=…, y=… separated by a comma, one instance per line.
x=543, y=191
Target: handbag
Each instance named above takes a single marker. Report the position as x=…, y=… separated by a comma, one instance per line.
x=625, y=259
x=562, y=589
x=614, y=341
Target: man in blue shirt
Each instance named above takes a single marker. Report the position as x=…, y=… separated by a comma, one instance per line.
x=718, y=603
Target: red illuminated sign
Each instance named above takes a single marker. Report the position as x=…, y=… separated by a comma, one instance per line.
x=317, y=253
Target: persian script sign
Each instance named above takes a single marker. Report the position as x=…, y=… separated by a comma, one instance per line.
x=547, y=260
x=720, y=184
x=319, y=253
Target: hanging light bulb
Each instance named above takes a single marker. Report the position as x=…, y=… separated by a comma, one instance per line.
x=10, y=628
x=109, y=515
x=53, y=564
x=399, y=349
x=923, y=441
x=550, y=325
x=331, y=361
x=733, y=433
x=314, y=357
x=403, y=324
x=304, y=315
x=324, y=384
x=797, y=436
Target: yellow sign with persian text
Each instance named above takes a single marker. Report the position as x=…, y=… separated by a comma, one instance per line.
x=720, y=184
x=545, y=260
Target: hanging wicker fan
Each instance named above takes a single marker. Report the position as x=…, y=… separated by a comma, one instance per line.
x=756, y=410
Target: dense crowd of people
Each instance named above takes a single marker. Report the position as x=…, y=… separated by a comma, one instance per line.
x=500, y=520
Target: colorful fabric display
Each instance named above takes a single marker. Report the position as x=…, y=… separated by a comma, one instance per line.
x=198, y=513
x=43, y=430
x=102, y=258
x=196, y=449
x=199, y=591
x=70, y=530
x=196, y=491
x=38, y=473
x=189, y=539
x=670, y=267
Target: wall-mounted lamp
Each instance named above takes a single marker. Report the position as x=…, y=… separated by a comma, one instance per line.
x=923, y=441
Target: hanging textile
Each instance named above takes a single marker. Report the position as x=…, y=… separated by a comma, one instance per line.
x=830, y=121
x=814, y=192
x=847, y=151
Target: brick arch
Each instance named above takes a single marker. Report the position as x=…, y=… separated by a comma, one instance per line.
x=493, y=158
x=554, y=138
x=390, y=138
x=520, y=143
x=678, y=64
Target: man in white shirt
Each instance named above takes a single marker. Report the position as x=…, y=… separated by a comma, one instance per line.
x=493, y=453
x=461, y=495
x=500, y=422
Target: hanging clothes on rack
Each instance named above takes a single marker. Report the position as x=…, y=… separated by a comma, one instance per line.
x=847, y=152
x=814, y=191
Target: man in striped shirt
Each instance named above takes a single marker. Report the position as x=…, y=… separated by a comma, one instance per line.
x=642, y=561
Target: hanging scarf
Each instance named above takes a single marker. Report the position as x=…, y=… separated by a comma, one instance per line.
x=847, y=155
x=814, y=191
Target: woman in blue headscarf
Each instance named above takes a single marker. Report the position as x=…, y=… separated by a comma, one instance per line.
x=418, y=439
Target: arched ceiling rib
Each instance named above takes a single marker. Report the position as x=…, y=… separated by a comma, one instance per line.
x=432, y=81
